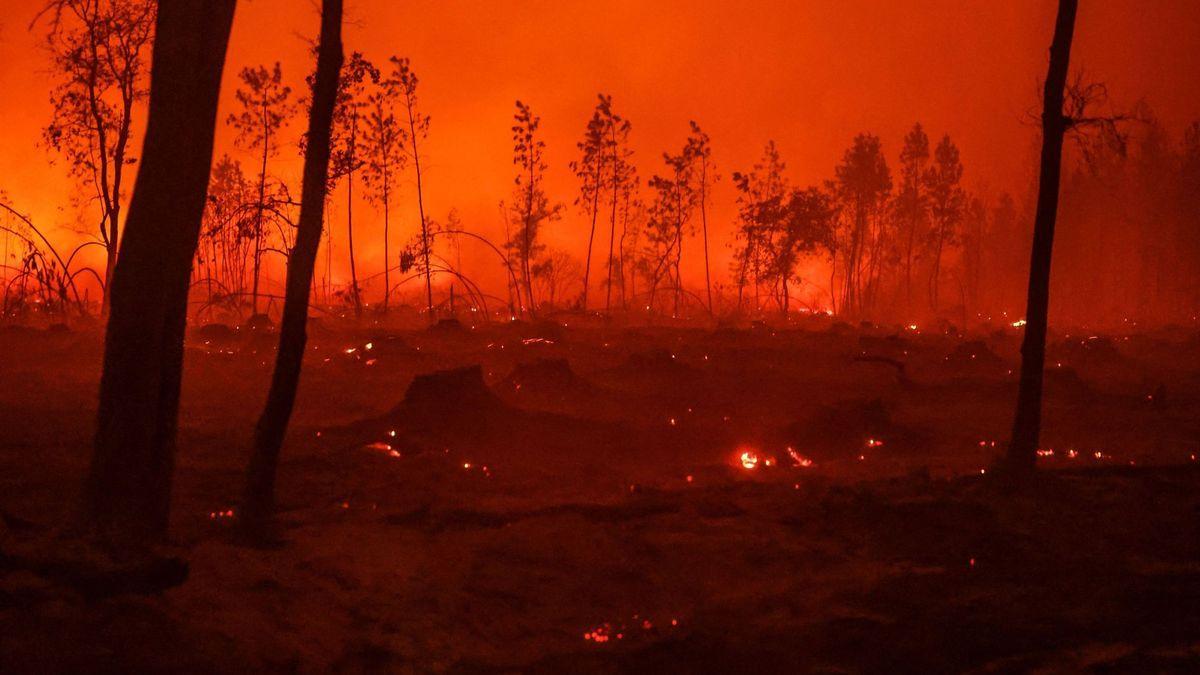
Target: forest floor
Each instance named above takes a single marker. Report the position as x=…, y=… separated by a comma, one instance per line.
x=599, y=498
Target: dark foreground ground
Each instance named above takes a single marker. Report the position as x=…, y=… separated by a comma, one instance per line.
x=580, y=504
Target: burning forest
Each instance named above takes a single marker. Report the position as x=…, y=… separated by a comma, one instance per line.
x=599, y=337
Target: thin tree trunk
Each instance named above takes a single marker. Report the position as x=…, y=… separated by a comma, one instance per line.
x=354, y=294
x=387, y=259
x=412, y=129
x=259, y=499
x=1022, y=449
x=127, y=492
x=587, y=263
x=704, y=226
x=258, y=221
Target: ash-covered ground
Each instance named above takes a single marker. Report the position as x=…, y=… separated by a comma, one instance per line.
x=572, y=495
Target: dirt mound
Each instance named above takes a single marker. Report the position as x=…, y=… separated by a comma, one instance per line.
x=448, y=327
x=656, y=362
x=1093, y=350
x=215, y=334
x=975, y=353
x=548, y=378
x=449, y=396
x=848, y=429
x=260, y=322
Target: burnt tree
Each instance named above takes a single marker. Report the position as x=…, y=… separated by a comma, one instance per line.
x=127, y=490
x=1022, y=449
x=259, y=498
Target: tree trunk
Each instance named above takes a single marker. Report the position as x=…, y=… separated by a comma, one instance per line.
x=1022, y=449
x=127, y=491
x=259, y=498
x=354, y=294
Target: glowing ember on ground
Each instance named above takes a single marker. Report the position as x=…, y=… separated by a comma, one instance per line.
x=798, y=459
x=1019, y=323
x=220, y=515
x=749, y=459
x=1045, y=453
x=874, y=443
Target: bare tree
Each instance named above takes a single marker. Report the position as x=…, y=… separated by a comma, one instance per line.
x=1022, y=449
x=98, y=49
x=349, y=150
x=761, y=185
x=259, y=499
x=385, y=142
x=266, y=106
x=127, y=492
x=623, y=181
x=403, y=81
x=699, y=150
x=590, y=169
x=531, y=208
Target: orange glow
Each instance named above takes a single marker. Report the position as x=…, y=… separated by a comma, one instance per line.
x=809, y=75
x=748, y=459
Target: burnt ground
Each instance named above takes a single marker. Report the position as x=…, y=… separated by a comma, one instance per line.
x=579, y=503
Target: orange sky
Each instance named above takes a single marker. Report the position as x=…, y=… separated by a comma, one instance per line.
x=809, y=74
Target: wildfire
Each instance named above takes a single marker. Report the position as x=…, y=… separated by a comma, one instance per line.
x=1018, y=323
x=749, y=459
x=798, y=459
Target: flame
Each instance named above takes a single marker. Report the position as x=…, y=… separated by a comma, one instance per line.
x=749, y=459
x=798, y=459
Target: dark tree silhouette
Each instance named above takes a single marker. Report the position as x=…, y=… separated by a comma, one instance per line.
x=761, y=185
x=590, y=169
x=259, y=499
x=349, y=148
x=947, y=200
x=97, y=47
x=699, y=150
x=265, y=107
x=863, y=184
x=127, y=491
x=403, y=81
x=531, y=208
x=911, y=207
x=622, y=179
x=385, y=141
x=1022, y=449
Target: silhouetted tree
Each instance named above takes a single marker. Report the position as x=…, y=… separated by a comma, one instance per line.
x=348, y=148
x=699, y=150
x=385, y=140
x=227, y=234
x=590, y=168
x=622, y=178
x=259, y=500
x=946, y=202
x=763, y=184
x=531, y=208
x=912, y=204
x=266, y=105
x=1022, y=449
x=802, y=223
x=127, y=492
x=403, y=81
x=863, y=183
x=98, y=51
x=670, y=215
